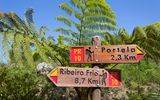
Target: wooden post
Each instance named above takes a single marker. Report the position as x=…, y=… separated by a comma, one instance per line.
x=96, y=93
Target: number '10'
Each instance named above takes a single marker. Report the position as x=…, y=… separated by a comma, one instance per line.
x=77, y=58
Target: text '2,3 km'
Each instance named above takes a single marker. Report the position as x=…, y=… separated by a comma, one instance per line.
x=106, y=54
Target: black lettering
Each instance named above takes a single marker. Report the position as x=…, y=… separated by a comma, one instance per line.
x=94, y=81
x=83, y=79
x=118, y=50
x=112, y=57
x=119, y=57
x=89, y=80
x=127, y=49
x=103, y=48
x=108, y=50
x=96, y=74
x=126, y=57
x=61, y=71
x=76, y=80
x=133, y=50
x=114, y=50
x=68, y=72
x=72, y=72
x=123, y=50
x=81, y=73
x=77, y=73
x=87, y=72
x=132, y=57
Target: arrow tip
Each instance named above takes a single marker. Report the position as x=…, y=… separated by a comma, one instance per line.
x=54, y=79
x=139, y=57
x=54, y=73
x=54, y=76
x=139, y=51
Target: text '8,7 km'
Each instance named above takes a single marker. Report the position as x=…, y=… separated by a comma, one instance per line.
x=88, y=77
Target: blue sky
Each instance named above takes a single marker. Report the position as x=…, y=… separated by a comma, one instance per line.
x=130, y=13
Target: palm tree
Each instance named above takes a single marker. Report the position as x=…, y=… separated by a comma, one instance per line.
x=148, y=38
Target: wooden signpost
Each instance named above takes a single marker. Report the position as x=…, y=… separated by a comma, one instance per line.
x=106, y=54
x=95, y=77
x=85, y=77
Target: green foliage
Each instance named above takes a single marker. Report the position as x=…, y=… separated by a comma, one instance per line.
x=19, y=83
x=139, y=82
x=95, y=17
x=23, y=83
x=23, y=43
x=142, y=80
x=147, y=37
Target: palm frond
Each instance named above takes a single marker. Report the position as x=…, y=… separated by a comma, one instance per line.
x=66, y=8
x=151, y=51
x=67, y=32
x=64, y=20
x=124, y=36
x=27, y=51
x=6, y=20
x=27, y=30
x=108, y=37
x=12, y=17
x=14, y=23
x=18, y=23
x=43, y=30
x=6, y=28
x=138, y=34
x=152, y=31
x=17, y=50
x=98, y=11
x=100, y=6
x=67, y=21
x=153, y=42
x=78, y=15
x=100, y=19
x=90, y=33
x=79, y=4
x=51, y=39
x=70, y=41
x=28, y=18
x=69, y=10
x=6, y=44
x=62, y=30
x=100, y=26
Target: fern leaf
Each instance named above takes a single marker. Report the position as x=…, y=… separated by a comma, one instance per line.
x=28, y=17
x=67, y=32
x=79, y=4
x=100, y=19
x=66, y=8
